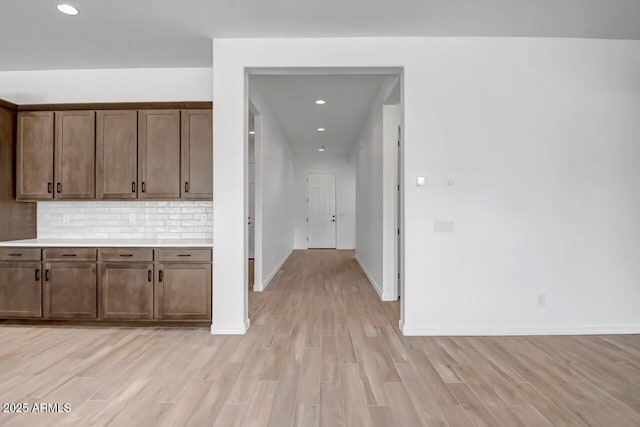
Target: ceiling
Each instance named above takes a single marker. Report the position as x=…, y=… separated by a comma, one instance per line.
x=291, y=98
x=154, y=33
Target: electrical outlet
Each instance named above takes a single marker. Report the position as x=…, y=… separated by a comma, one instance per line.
x=132, y=218
x=66, y=219
x=203, y=219
x=542, y=300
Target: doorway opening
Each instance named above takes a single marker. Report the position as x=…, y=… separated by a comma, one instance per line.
x=325, y=170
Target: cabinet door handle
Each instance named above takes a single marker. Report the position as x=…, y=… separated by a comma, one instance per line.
x=149, y=275
x=160, y=276
x=133, y=187
x=186, y=187
x=37, y=274
x=143, y=188
x=59, y=188
x=46, y=275
x=49, y=187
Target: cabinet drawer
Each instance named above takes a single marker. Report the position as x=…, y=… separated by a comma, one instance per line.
x=70, y=254
x=124, y=254
x=19, y=254
x=184, y=255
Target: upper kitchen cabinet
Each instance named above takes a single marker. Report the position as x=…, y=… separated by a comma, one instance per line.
x=159, y=154
x=197, y=154
x=34, y=172
x=117, y=154
x=75, y=144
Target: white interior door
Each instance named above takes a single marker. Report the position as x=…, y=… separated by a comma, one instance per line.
x=321, y=210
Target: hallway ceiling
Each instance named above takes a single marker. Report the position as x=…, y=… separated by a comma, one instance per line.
x=155, y=33
x=292, y=98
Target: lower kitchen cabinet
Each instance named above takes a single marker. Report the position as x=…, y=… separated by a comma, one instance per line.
x=20, y=290
x=144, y=286
x=183, y=291
x=70, y=290
x=126, y=291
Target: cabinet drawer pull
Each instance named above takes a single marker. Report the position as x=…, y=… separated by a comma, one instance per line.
x=133, y=187
x=15, y=254
x=143, y=187
x=37, y=274
x=69, y=255
x=149, y=275
x=49, y=187
x=184, y=255
x=46, y=275
x=160, y=276
x=126, y=255
x=59, y=188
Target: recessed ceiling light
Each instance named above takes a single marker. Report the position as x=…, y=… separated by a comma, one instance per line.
x=320, y=102
x=252, y=132
x=321, y=129
x=67, y=9
x=321, y=148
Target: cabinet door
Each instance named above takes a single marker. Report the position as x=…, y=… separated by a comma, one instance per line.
x=117, y=154
x=183, y=291
x=70, y=290
x=20, y=290
x=159, y=154
x=126, y=291
x=197, y=154
x=75, y=154
x=34, y=157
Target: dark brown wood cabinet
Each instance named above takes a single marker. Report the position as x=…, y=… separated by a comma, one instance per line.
x=18, y=219
x=75, y=146
x=126, y=291
x=183, y=291
x=117, y=154
x=34, y=157
x=91, y=286
x=159, y=154
x=20, y=290
x=70, y=290
x=197, y=154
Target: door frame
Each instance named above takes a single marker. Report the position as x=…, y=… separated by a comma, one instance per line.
x=335, y=205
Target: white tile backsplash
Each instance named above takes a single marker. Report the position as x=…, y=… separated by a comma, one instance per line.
x=125, y=220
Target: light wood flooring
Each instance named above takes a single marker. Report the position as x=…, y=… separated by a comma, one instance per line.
x=322, y=350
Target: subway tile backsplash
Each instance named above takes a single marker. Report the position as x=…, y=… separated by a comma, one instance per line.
x=125, y=220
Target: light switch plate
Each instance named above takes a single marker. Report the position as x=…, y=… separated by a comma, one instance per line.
x=444, y=226
x=421, y=181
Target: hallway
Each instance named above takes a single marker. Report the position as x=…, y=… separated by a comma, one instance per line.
x=322, y=350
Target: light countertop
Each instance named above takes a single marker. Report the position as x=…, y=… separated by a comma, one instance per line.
x=99, y=243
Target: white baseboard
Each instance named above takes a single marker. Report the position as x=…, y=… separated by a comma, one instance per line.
x=418, y=330
x=369, y=276
x=230, y=329
x=267, y=281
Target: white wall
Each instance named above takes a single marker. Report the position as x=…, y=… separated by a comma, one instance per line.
x=106, y=85
x=344, y=170
x=375, y=169
x=540, y=136
x=125, y=220
x=274, y=186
